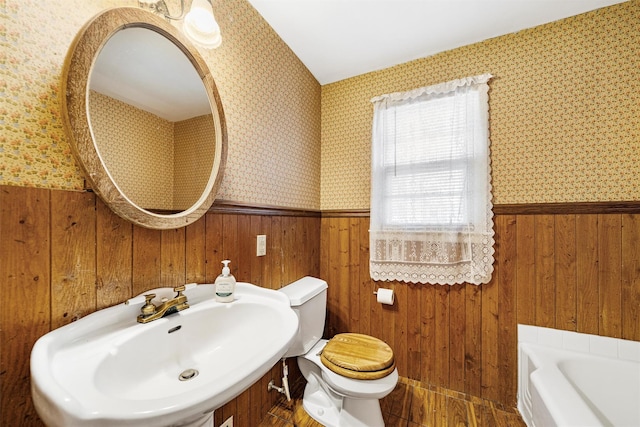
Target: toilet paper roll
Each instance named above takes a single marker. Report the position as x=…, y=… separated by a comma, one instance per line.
x=385, y=296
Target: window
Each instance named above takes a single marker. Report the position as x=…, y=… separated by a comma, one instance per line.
x=431, y=219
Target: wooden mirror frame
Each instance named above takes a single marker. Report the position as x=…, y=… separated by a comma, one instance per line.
x=75, y=80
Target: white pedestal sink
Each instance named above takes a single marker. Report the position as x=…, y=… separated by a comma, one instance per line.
x=107, y=369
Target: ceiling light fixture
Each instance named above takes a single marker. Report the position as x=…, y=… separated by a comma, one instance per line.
x=199, y=24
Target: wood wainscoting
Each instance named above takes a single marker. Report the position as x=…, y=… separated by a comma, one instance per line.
x=554, y=268
x=64, y=255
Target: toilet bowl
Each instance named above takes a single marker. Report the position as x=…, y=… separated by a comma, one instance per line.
x=347, y=375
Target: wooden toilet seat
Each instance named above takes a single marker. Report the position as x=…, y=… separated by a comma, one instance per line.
x=358, y=356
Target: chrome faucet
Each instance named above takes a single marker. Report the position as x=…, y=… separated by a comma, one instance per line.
x=151, y=312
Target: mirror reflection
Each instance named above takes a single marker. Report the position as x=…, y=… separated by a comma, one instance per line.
x=151, y=121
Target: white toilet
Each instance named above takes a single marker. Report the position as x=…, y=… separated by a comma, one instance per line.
x=333, y=399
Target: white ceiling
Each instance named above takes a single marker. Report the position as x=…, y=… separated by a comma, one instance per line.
x=338, y=39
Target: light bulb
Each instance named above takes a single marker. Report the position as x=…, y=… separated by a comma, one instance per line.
x=200, y=25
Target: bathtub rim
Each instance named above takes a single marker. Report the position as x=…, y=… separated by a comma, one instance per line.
x=576, y=343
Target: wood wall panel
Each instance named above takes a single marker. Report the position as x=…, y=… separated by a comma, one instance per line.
x=507, y=324
x=114, y=257
x=570, y=271
x=566, y=274
x=146, y=262
x=274, y=244
x=631, y=276
x=574, y=271
x=525, y=270
x=195, y=252
x=172, y=257
x=25, y=287
x=609, y=275
x=472, y=341
x=213, y=247
x=544, y=261
x=73, y=257
x=587, y=315
x=65, y=254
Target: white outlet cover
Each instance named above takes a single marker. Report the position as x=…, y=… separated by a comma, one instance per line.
x=261, y=245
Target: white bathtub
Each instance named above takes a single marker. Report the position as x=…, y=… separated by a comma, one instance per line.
x=571, y=379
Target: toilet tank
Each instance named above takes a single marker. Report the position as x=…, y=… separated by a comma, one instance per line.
x=308, y=298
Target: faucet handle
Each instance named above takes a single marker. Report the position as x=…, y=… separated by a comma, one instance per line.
x=148, y=308
x=179, y=290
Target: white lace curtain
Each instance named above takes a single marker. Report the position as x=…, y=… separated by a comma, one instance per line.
x=431, y=210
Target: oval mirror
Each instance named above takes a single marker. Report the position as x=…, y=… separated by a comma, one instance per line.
x=144, y=118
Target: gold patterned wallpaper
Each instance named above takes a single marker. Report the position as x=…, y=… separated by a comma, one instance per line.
x=564, y=108
x=271, y=102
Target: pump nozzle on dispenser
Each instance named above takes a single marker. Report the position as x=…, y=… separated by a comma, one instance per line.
x=225, y=270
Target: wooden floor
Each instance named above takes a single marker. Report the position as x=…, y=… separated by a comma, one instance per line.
x=409, y=405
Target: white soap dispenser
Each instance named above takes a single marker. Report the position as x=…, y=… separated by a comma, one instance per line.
x=225, y=284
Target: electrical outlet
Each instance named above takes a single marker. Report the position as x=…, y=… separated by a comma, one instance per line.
x=261, y=245
x=228, y=422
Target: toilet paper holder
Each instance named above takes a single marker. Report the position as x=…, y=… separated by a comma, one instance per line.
x=385, y=296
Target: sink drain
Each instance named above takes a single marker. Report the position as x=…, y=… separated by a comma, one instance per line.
x=188, y=374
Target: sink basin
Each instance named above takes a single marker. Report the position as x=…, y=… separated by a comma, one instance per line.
x=107, y=369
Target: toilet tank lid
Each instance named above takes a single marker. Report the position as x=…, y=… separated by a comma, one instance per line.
x=302, y=290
